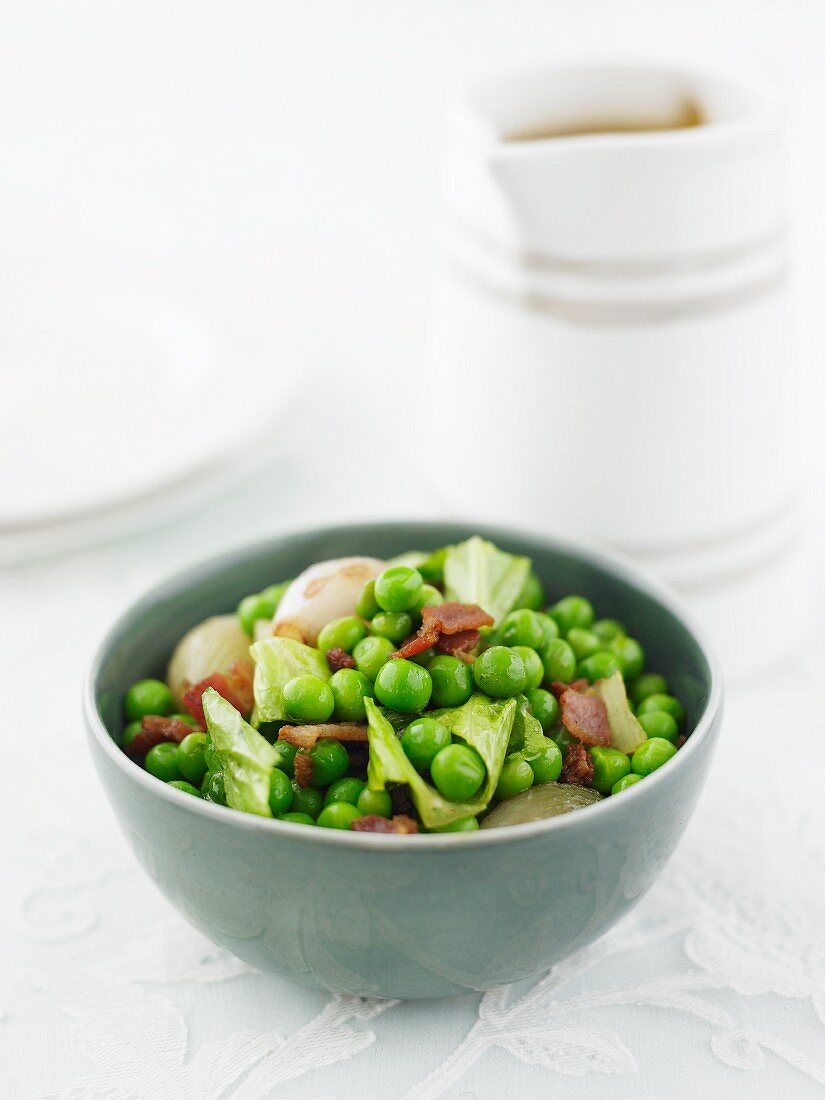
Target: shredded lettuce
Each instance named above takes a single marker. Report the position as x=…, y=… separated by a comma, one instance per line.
x=478, y=572
x=246, y=758
x=482, y=722
x=277, y=661
x=412, y=558
x=626, y=733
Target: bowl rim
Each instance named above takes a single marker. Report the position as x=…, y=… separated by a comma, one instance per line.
x=608, y=561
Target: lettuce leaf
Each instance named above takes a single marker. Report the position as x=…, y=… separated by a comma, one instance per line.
x=626, y=734
x=476, y=571
x=482, y=722
x=526, y=735
x=277, y=661
x=246, y=758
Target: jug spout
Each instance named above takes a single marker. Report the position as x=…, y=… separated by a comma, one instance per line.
x=602, y=163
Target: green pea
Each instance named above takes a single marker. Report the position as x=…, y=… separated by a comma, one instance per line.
x=649, y=683
x=213, y=788
x=546, y=764
x=371, y=654
x=374, y=802
x=422, y=739
x=307, y=800
x=191, y=760
x=457, y=772
x=347, y=789
x=285, y=757
x=500, y=672
x=187, y=718
x=423, y=658
x=403, y=686
x=330, y=761
x=366, y=606
x=130, y=732
x=162, y=761
x=349, y=690
x=452, y=681
x=628, y=781
x=308, y=699
x=608, y=629
x=148, y=697
x=630, y=655
x=429, y=596
x=338, y=815
x=516, y=776
x=549, y=628
x=609, y=766
x=343, y=634
x=398, y=588
x=532, y=665
x=297, y=818
x=461, y=825
x=658, y=723
x=651, y=754
x=559, y=661
x=599, y=666
x=666, y=703
x=572, y=611
x=545, y=707
x=584, y=643
x=432, y=568
x=531, y=595
x=182, y=785
x=520, y=628
x=395, y=625
x=261, y=605
x=280, y=792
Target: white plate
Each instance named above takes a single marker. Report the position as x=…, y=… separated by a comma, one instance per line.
x=116, y=398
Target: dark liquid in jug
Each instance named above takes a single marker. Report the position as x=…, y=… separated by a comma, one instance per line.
x=688, y=116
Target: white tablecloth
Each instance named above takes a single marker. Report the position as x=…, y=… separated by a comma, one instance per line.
x=713, y=986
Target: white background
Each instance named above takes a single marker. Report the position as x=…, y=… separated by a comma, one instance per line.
x=279, y=166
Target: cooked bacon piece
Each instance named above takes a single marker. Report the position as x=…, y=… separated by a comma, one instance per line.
x=417, y=643
x=680, y=740
x=372, y=823
x=338, y=659
x=235, y=686
x=558, y=687
x=303, y=769
x=446, y=618
x=585, y=716
x=577, y=767
x=306, y=736
x=154, y=730
x=458, y=645
x=452, y=618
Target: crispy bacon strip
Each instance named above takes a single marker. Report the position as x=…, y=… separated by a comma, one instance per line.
x=446, y=618
x=154, y=730
x=338, y=659
x=458, y=645
x=558, y=687
x=303, y=769
x=372, y=823
x=577, y=767
x=235, y=686
x=306, y=736
x=585, y=716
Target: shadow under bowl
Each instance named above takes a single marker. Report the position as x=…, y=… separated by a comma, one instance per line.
x=402, y=917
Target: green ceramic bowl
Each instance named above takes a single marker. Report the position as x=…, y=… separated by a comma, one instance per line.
x=421, y=916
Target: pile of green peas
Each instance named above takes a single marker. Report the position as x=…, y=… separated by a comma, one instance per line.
x=532, y=647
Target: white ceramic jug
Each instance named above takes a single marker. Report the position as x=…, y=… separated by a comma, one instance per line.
x=612, y=327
